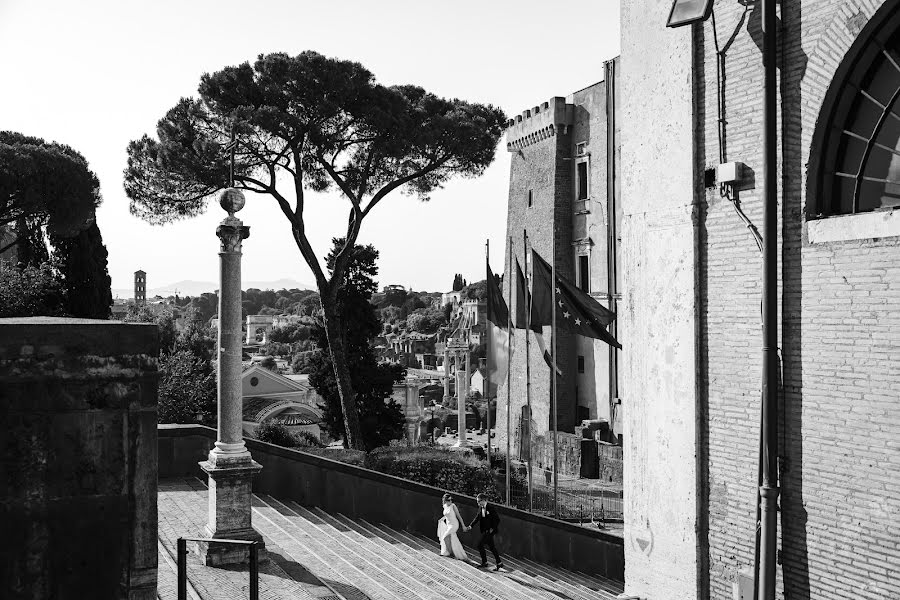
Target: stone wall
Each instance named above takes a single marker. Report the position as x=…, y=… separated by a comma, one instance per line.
x=79, y=450
x=659, y=180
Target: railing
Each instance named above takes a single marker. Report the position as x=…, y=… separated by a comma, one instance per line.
x=584, y=501
x=181, y=547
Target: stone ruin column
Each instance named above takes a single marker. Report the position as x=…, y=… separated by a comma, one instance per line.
x=446, y=372
x=229, y=466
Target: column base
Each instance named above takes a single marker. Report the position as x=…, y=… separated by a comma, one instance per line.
x=219, y=554
x=230, y=493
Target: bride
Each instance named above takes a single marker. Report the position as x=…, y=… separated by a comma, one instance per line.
x=448, y=525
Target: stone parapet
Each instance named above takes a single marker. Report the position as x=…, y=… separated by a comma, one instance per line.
x=538, y=123
x=78, y=472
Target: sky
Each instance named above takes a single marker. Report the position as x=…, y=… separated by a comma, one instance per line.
x=96, y=74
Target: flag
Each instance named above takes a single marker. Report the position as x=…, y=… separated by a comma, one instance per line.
x=520, y=319
x=576, y=311
x=498, y=347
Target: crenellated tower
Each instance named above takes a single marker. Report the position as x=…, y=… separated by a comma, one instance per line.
x=561, y=194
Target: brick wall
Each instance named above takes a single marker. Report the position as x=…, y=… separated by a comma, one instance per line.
x=840, y=518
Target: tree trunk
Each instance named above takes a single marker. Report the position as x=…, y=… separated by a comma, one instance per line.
x=334, y=332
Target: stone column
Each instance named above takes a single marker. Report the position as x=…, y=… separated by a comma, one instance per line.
x=229, y=466
x=461, y=392
x=447, y=372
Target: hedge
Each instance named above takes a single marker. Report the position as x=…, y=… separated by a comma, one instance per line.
x=441, y=468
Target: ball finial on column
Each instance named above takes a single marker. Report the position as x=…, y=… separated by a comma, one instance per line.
x=232, y=200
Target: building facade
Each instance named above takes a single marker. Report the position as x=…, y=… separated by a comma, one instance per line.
x=563, y=198
x=691, y=100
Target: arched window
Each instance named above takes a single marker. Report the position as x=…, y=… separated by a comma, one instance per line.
x=855, y=156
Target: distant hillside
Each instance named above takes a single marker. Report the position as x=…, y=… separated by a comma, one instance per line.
x=190, y=287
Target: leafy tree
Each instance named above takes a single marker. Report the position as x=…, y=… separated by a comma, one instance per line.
x=82, y=261
x=168, y=333
x=48, y=190
x=380, y=417
x=426, y=320
x=321, y=123
x=458, y=282
x=269, y=363
x=275, y=433
x=187, y=389
x=475, y=291
x=44, y=185
x=27, y=291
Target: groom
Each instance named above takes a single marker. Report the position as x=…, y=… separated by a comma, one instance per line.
x=488, y=522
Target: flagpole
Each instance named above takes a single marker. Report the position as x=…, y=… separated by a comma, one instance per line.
x=510, y=279
x=553, y=372
x=528, y=372
x=487, y=262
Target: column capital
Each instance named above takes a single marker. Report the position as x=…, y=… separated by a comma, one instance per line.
x=231, y=231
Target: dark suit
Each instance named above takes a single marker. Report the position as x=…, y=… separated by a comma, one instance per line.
x=488, y=524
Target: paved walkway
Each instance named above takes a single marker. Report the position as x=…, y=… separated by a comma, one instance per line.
x=330, y=557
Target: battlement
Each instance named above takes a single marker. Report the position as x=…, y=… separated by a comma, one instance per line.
x=538, y=123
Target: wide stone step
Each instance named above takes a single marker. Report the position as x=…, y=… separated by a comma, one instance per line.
x=182, y=512
x=435, y=577
x=269, y=523
x=573, y=585
x=502, y=583
x=369, y=577
x=389, y=569
x=456, y=576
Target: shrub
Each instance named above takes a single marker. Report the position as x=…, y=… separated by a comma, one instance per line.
x=344, y=455
x=275, y=433
x=307, y=440
x=438, y=467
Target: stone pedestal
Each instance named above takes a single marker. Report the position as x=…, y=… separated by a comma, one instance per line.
x=230, y=491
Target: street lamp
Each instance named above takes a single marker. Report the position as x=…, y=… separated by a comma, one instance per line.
x=685, y=12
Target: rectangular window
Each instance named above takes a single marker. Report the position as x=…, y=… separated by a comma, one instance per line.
x=581, y=364
x=530, y=199
x=582, y=180
x=584, y=275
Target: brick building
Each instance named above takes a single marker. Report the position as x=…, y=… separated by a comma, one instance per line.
x=692, y=99
x=561, y=193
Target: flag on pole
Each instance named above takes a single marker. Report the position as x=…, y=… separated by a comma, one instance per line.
x=576, y=311
x=498, y=347
x=521, y=320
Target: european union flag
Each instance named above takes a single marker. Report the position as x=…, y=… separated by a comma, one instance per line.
x=576, y=311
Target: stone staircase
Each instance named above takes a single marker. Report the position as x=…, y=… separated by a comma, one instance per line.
x=319, y=555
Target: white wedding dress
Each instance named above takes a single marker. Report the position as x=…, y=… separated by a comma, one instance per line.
x=448, y=525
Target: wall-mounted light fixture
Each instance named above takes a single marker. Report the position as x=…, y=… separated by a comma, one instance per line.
x=685, y=12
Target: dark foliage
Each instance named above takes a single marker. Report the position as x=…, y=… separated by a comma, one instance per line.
x=82, y=262
x=381, y=420
x=435, y=466
x=275, y=433
x=44, y=184
x=187, y=389
x=28, y=291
